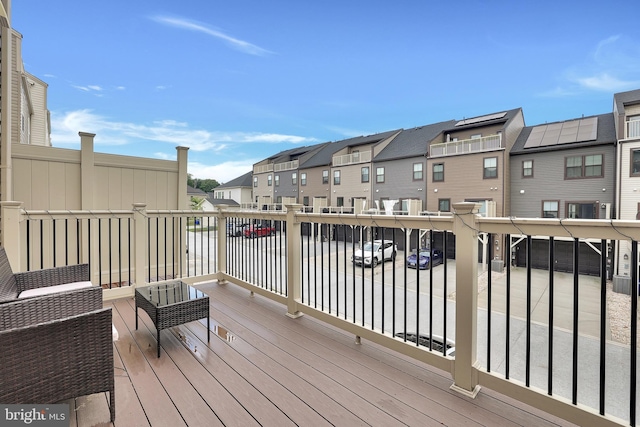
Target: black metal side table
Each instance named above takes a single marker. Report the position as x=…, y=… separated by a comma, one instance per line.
x=171, y=304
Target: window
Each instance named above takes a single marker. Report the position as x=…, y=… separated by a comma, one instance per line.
x=325, y=177
x=255, y=181
x=476, y=136
x=527, y=168
x=635, y=163
x=277, y=180
x=550, y=209
x=305, y=200
x=303, y=179
x=417, y=171
x=589, y=166
x=490, y=168
x=379, y=174
x=294, y=178
x=340, y=201
x=269, y=180
x=364, y=174
x=582, y=210
x=336, y=177
x=438, y=172
x=444, y=205
x=593, y=165
x=355, y=156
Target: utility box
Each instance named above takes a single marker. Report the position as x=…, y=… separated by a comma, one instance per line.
x=497, y=265
x=622, y=284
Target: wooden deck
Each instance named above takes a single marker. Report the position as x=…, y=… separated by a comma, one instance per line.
x=263, y=368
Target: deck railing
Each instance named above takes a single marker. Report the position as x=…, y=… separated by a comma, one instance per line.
x=633, y=129
x=507, y=321
x=466, y=146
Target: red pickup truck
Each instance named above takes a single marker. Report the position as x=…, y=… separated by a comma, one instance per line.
x=258, y=231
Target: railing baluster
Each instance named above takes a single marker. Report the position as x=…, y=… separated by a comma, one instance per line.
x=53, y=225
x=551, y=302
x=110, y=253
x=528, y=325
x=576, y=265
x=444, y=308
x=490, y=257
x=634, y=332
x=603, y=321
x=507, y=333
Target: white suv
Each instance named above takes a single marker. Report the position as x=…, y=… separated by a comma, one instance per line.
x=381, y=250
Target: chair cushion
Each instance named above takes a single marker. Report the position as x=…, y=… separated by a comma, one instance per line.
x=53, y=289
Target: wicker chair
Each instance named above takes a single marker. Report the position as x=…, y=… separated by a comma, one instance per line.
x=56, y=346
x=11, y=285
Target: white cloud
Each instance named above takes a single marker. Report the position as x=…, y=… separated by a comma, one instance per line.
x=65, y=128
x=164, y=156
x=612, y=66
x=606, y=82
x=223, y=172
x=238, y=44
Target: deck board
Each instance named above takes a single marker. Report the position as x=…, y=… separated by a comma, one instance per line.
x=277, y=371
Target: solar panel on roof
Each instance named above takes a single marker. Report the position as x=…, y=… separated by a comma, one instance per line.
x=481, y=119
x=580, y=130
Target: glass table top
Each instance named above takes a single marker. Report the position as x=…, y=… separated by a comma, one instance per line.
x=170, y=293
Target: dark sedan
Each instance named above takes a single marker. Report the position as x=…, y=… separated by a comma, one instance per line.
x=425, y=259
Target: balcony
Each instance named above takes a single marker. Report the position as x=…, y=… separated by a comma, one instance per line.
x=263, y=168
x=285, y=166
x=351, y=159
x=542, y=346
x=632, y=129
x=466, y=146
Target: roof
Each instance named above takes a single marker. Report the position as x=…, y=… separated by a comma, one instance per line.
x=241, y=181
x=195, y=191
x=324, y=156
x=622, y=98
x=412, y=142
x=503, y=116
x=229, y=202
x=605, y=134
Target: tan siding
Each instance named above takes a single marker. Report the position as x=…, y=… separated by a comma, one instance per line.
x=464, y=180
x=73, y=184
x=350, y=185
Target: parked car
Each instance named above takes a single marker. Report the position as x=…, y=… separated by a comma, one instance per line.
x=423, y=340
x=258, y=231
x=424, y=259
x=372, y=253
x=235, y=229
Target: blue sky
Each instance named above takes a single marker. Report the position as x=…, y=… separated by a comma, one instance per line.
x=238, y=81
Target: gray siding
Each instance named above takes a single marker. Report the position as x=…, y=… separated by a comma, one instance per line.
x=399, y=183
x=549, y=183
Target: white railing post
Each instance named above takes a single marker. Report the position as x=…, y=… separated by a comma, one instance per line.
x=465, y=228
x=10, y=218
x=221, y=262
x=294, y=239
x=140, y=242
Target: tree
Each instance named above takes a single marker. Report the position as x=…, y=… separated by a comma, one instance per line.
x=206, y=185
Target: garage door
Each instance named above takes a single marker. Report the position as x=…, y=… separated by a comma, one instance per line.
x=589, y=260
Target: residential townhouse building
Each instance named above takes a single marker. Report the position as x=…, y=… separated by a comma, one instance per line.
x=400, y=168
x=352, y=173
x=275, y=179
x=469, y=161
x=564, y=170
x=238, y=190
x=344, y=167
x=626, y=113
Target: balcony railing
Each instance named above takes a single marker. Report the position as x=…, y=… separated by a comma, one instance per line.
x=466, y=146
x=351, y=159
x=263, y=168
x=285, y=166
x=633, y=129
x=539, y=336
